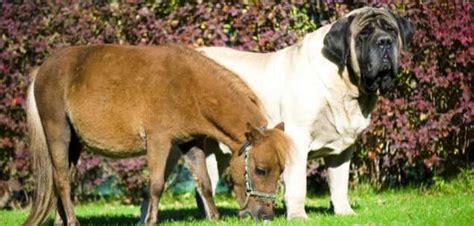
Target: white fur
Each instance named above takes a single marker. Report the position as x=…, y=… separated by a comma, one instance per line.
x=299, y=86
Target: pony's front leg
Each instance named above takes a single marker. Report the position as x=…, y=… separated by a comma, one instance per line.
x=196, y=161
x=173, y=158
x=338, y=171
x=158, y=149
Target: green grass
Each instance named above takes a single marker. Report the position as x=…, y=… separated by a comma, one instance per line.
x=445, y=203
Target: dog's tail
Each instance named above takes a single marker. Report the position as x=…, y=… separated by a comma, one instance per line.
x=44, y=197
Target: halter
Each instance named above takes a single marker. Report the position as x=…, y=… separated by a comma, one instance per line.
x=250, y=191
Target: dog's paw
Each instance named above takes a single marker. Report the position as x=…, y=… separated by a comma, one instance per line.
x=344, y=211
x=298, y=216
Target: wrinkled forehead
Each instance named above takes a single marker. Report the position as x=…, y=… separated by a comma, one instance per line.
x=366, y=16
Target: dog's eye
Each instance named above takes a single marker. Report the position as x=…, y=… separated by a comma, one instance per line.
x=391, y=29
x=365, y=33
x=261, y=171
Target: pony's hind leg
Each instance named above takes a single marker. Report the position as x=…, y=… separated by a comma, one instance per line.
x=58, y=136
x=158, y=148
x=74, y=153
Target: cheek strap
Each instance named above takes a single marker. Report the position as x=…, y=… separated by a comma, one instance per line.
x=250, y=191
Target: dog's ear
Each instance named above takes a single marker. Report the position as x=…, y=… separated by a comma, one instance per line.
x=406, y=30
x=336, y=41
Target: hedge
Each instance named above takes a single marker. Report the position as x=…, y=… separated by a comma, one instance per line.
x=422, y=130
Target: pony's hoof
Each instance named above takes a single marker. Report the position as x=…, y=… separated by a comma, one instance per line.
x=61, y=223
x=213, y=217
x=76, y=223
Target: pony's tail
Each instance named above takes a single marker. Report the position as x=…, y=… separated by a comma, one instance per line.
x=44, y=197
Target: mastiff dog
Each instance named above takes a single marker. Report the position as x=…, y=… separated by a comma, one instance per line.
x=324, y=88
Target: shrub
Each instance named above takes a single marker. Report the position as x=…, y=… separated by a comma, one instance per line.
x=421, y=129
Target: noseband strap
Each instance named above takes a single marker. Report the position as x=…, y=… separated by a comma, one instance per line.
x=250, y=191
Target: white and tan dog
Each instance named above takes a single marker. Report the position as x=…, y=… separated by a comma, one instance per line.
x=324, y=89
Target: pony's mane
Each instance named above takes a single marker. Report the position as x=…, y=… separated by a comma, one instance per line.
x=232, y=80
x=282, y=143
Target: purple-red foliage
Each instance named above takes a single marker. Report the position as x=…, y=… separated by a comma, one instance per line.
x=426, y=124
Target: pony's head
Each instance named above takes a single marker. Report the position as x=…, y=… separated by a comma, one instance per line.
x=256, y=169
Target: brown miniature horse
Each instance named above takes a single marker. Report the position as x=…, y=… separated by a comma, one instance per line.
x=123, y=101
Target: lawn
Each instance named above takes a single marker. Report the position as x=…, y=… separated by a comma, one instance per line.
x=446, y=203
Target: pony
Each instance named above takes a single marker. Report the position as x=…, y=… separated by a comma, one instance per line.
x=126, y=101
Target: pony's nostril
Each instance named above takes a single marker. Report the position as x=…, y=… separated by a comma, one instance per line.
x=267, y=217
x=244, y=214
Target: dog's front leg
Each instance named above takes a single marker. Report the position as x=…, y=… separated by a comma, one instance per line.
x=294, y=177
x=338, y=170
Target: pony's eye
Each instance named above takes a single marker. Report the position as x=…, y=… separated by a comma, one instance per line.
x=261, y=171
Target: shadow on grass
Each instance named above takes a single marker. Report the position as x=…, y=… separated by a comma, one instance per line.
x=170, y=215
x=179, y=215
x=281, y=212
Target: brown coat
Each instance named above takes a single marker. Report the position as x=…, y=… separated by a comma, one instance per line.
x=124, y=101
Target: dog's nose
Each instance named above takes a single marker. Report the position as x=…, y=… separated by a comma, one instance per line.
x=384, y=42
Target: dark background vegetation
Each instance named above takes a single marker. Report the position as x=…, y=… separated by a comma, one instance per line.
x=420, y=133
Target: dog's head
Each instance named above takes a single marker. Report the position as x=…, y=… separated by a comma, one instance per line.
x=368, y=41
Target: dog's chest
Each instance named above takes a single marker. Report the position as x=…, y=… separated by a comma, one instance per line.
x=337, y=126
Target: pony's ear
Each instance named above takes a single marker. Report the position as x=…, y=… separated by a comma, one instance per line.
x=254, y=134
x=406, y=28
x=280, y=126
x=336, y=41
